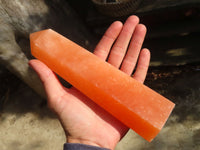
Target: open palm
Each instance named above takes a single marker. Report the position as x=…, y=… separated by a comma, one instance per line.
x=84, y=121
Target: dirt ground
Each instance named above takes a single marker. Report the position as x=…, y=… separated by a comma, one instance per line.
x=27, y=123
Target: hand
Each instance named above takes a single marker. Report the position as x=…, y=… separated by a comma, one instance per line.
x=84, y=121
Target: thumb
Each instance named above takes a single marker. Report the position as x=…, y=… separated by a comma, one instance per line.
x=52, y=85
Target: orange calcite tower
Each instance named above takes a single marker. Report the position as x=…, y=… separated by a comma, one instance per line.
x=131, y=102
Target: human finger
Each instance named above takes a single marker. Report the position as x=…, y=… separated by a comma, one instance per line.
x=119, y=48
x=52, y=86
x=142, y=66
x=135, y=45
x=103, y=47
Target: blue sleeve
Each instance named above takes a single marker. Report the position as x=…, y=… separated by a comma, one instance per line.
x=77, y=146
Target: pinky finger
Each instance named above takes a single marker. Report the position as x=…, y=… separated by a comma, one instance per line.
x=142, y=66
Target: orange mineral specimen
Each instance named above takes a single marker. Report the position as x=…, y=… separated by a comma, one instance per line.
x=131, y=102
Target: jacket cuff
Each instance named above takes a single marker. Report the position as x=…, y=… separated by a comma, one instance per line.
x=77, y=146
